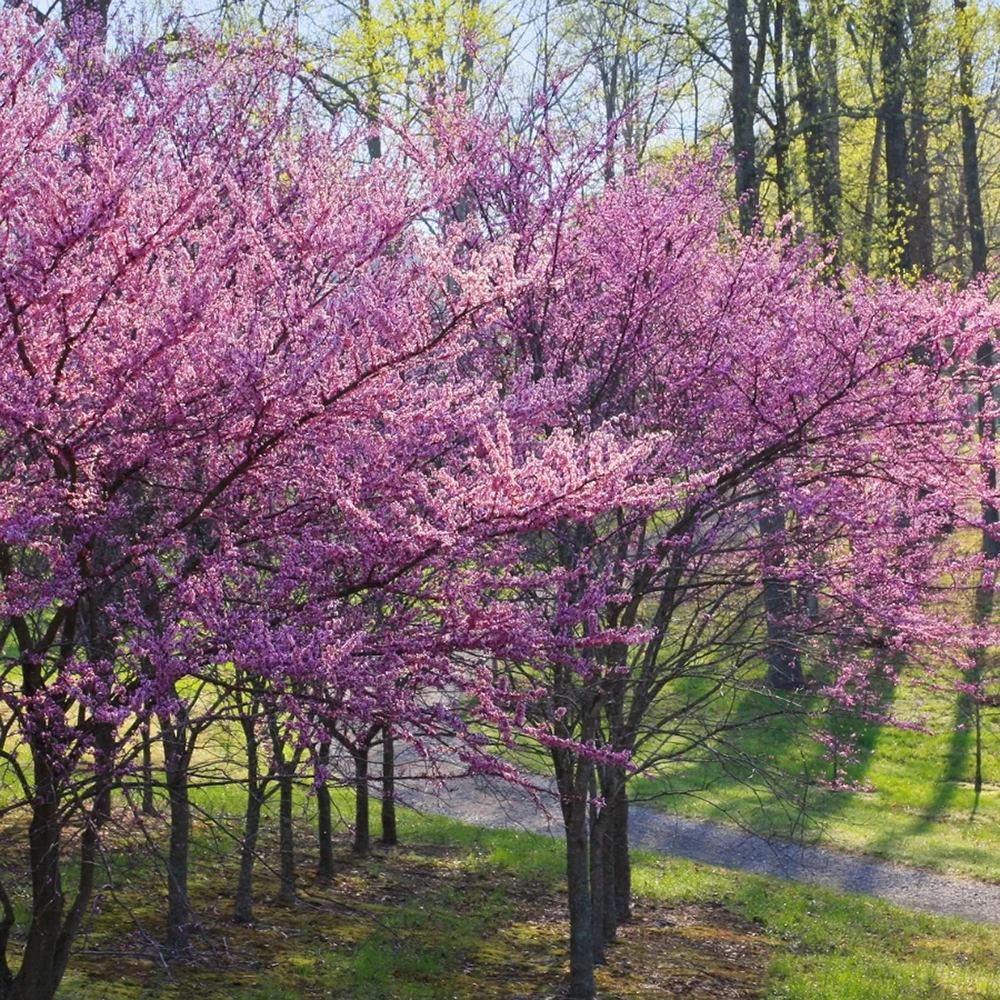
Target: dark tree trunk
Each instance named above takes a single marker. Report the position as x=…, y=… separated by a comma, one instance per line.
x=921, y=234
x=286, y=830
x=784, y=665
x=362, y=833
x=777, y=594
x=782, y=134
x=148, y=805
x=970, y=144
x=37, y=975
x=829, y=70
x=891, y=63
x=821, y=141
x=581, y=947
x=609, y=911
x=53, y=928
x=623, y=862
x=7, y=922
x=598, y=888
x=389, y=834
x=743, y=111
x=176, y=759
x=243, y=903
x=871, y=198
x=324, y=816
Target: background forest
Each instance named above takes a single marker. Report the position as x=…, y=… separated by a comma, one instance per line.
x=874, y=125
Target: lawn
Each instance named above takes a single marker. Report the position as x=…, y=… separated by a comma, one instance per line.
x=462, y=912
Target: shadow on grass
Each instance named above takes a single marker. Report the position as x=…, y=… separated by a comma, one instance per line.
x=766, y=775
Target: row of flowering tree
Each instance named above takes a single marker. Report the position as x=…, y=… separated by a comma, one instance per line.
x=309, y=450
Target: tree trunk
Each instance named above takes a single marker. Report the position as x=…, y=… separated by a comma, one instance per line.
x=828, y=70
x=784, y=665
x=176, y=758
x=36, y=979
x=286, y=830
x=148, y=805
x=893, y=25
x=609, y=911
x=777, y=593
x=970, y=142
x=324, y=814
x=743, y=111
x=782, y=133
x=821, y=141
x=581, y=948
x=623, y=862
x=598, y=889
x=362, y=834
x=921, y=235
x=871, y=197
x=389, y=834
x=243, y=903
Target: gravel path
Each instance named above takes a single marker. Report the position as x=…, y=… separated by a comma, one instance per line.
x=474, y=801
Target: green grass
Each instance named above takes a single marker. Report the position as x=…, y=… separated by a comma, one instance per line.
x=462, y=912
x=919, y=807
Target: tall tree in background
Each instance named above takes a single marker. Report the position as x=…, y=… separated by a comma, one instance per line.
x=812, y=38
x=892, y=64
x=784, y=664
x=986, y=402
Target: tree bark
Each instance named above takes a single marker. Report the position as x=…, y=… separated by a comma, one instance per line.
x=743, y=111
x=324, y=816
x=970, y=142
x=243, y=901
x=390, y=836
x=871, y=197
x=821, y=140
x=777, y=593
x=921, y=234
x=286, y=830
x=581, y=947
x=148, y=804
x=598, y=888
x=36, y=978
x=784, y=664
x=623, y=861
x=176, y=759
x=362, y=833
x=782, y=133
x=893, y=44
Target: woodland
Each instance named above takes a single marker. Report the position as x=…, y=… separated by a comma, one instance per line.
x=591, y=405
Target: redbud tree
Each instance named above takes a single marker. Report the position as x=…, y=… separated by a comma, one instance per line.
x=237, y=400
x=745, y=383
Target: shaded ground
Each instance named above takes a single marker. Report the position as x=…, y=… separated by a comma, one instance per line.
x=422, y=922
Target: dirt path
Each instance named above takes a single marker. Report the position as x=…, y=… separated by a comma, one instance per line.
x=473, y=801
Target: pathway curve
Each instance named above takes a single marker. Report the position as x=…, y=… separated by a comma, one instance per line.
x=475, y=801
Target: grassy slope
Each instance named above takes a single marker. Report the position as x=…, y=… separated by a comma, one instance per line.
x=920, y=808
x=462, y=912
